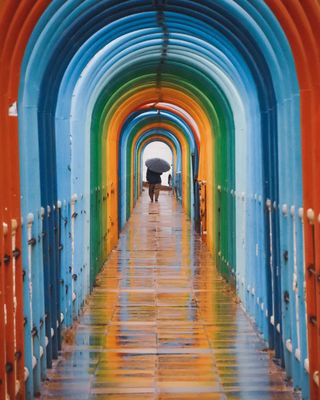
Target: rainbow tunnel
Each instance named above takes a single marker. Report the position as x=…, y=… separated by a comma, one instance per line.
x=231, y=86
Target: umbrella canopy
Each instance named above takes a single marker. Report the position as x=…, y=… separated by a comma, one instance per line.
x=158, y=165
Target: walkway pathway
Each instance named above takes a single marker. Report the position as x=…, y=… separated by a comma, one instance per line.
x=162, y=324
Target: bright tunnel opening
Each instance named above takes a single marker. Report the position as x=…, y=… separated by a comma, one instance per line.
x=158, y=149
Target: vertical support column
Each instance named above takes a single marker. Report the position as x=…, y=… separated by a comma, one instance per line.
x=270, y=277
x=17, y=307
x=203, y=210
x=35, y=312
x=59, y=247
x=316, y=375
x=302, y=353
x=262, y=257
x=297, y=312
x=259, y=281
x=73, y=273
x=35, y=324
x=52, y=264
x=218, y=223
x=3, y=377
x=9, y=317
x=30, y=359
x=287, y=297
x=300, y=342
x=46, y=283
x=312, y=306
x=41, y=317
x=62, y=221
x=65, y=279
x=273, y=279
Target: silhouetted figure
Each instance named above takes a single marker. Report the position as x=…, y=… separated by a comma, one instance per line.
x=169, y=180
x=154, y=181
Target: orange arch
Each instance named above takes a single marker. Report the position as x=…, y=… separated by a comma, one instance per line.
x=131, y=101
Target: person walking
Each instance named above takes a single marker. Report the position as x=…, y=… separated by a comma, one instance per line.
x=154, y=180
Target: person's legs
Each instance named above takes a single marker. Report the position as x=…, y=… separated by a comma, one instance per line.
x=151, y=191
x=157, y=191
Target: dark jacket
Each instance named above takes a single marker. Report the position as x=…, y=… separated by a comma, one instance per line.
x=153, y=177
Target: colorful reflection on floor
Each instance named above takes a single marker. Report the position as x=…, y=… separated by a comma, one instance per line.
x=162, y=324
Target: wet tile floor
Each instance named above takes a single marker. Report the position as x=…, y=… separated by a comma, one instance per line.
x=162, y=324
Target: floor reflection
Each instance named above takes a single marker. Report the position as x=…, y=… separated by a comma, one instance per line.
x=162, y=324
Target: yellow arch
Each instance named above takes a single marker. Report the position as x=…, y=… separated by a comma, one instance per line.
x=143, y=144
x=184, y=150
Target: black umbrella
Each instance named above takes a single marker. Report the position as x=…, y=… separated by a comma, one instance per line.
x=158, y=165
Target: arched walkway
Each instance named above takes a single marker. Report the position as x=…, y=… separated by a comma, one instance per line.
x=161, y=323
x=232, y=86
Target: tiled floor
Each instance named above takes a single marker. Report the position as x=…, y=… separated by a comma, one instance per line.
x=162, y=324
